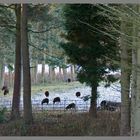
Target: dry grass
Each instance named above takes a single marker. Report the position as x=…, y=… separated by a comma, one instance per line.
x=65, y=124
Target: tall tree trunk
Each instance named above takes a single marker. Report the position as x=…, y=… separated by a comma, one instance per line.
x=93, y=103
x=42, y=35
x=72, y=72
x=28, y=118
x=15, y=113
x=137, y=96
x=60, y=74
x=34, y=72
x=43, y=70
x=134, y=76
x=51, y=73
x=2, y=74
x=125, y=82
x=64, y=74
x=64, y=69
x=10, y=78
x=133, y=90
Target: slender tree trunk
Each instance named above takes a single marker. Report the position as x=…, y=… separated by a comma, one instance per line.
x=40, y=28
x=93, y=103
x=51, y=73
x=133, y=91
x=28, y=118
x=134, y=76
x=125, y=82
x=72, y=72
x=2, y=73
x=60, y=74
x=43, y=70
x=137, y=103
x=64, y=74
x=65, y=70
x=15, y=113
x=34, y=72
x=10, y=78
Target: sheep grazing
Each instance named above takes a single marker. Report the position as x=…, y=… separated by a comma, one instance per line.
x=46, y=93
x=46, y=100
x=56, y=99
x=110, y=105
x=78, y=94
x=86, y=98
x=70, y=106
x=69, y=80
x=5, y=89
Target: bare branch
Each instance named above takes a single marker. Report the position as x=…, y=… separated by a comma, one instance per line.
x=8, y=6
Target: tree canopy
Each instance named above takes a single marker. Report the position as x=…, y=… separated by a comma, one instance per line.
x=91, y=49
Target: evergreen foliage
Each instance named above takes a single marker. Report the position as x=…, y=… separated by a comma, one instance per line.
x=92, y=50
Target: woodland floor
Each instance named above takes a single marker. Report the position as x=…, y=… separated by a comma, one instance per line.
x=70, y=124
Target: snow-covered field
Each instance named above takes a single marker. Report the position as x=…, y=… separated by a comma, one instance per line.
x=111, y=93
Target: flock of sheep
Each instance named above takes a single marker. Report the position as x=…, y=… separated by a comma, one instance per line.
x=104, y=105
x=57, y=99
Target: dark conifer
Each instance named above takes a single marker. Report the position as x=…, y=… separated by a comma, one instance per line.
x=88, y=46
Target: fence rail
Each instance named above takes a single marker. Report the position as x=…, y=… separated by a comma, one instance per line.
x=81, y=106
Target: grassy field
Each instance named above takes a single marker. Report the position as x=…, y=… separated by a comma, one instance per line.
x=55, y=86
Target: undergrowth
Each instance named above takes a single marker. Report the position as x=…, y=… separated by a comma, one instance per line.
x=65, y=124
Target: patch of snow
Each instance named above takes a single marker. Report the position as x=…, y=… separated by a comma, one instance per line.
x=69, y=96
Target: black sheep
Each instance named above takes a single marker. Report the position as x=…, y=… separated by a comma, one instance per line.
x=69, y=80
x=86, y=98
x=46, y=93
x=110, y=105
x=5, y=89
x=56, y=99
x=78, y=94
x=46, y=100
x=70, y=106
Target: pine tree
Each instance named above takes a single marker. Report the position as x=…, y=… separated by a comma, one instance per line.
x=15, y=113
x=90, y=49
x=28, y=118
